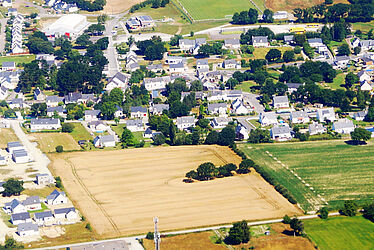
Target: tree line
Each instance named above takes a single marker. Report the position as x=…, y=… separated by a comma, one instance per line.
x=154, y=4
x=87, y=5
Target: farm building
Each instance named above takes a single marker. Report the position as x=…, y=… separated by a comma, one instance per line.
x=27, y=229
x=20, y=156
x=70, y=25
x=45, y=124
x=66, y=213
x=19, y=218
x=56, y=197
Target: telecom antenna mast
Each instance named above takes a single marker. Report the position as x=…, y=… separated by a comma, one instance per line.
x=157, y=237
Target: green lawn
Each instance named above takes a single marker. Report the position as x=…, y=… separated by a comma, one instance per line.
x=80, y=132
x=214, y=9
x=363, y=26
x=260, y=53
x=17, y=59
x=335, y=170
x=118, y=129
x=341, y=233
x=338, y=82
x=246, y=86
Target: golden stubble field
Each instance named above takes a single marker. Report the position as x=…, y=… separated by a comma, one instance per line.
x=118, y=6
x=120, y=192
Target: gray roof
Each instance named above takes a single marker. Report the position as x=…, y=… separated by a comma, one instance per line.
x=29, y=226
x=269, y=115
x=20, y=153
x=42, y=215
x=276, y=130
x=58, y=109
x=14, y=203
x=8, y=64
x=315, y=127
x=259, y=39
x=202, y=62
x=64, y=210
x=230, y=61
x=200, y=40
x=288, y=38
x=179, y=65
x=31, y=200
x=43, y=121
x=54, y=98
x=315, y=40
x=138, y=109
x=280, y=99
x=154, y=67
x=303, y=114
x=92, y=112
x=361, y=113
x=187, y=42
x=107, y=138
x=137, y=122
x=293, y=85
x=185, y=119
x=120, y=76
x=20, y=216
x=218, y=120
x=232, y=41
x=213, y=106
x=342, y=58
x=345, y=123
x=54, y=194
x=14, y=144
x=160, y=107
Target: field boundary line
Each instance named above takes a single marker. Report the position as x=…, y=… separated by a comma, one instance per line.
x=254, y=4
x=91, y=196
x=183, y=10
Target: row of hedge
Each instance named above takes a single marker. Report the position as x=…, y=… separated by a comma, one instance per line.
x=267, y=176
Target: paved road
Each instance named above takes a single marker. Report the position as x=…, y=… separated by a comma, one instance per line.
x=254, y=100
x=131, y=239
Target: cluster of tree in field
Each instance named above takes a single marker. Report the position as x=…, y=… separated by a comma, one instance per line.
x=12, y=187
x=152, y=49
x=246, y=38
x=356, y=11
x=154, y=4
x=128, y=140
x=296, y=224
x=11, y=243
x=87, y=5
x=206, y=50
x=208, y=171
x=239, y=233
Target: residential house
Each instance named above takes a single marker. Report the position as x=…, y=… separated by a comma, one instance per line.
x=220, y=122
x=232, y=95
x=135, y=125
x=139, y=112
x=280, y=102
x=68, y=213
x=59, y=110
x=216, y=95
x=15, y=207
x=360, y=115
x=241, y=132
x=56, y=198
x=364, y=76
x=17, y=103
x=292, y=87
x=299, y=117
x=343, y=126
x=97, y=126
x=191, y=46
x=217, y=108
x=157, y=68
x=365, y=86
x=341, y=62
x=326, y=114
x=32, y=203
x=12, y=12
x=19, y=218
x=119, y=80
x=20, y=156
x=3, y=93
x=202, y=64
x=177, y=68
x=53, y=100
x=238, y=107
x=280, y=15
x=316, y=128
x=158, y=109
x=268, y=118
x=366, y=45
x=231, y=64
x=104, y=141
x=355, y=42
x=281, y=133
x=148, y=133
x=91, y=115
x=175, y=59
x=260, y=41
x=315, y=42
x=27, y=229
x=43, y=218
x=77, y=97
x=289, y=39
x=45, y=124
x=119, y=112
x=6, y=66
x=157, y=83
x=39, y=95
x=185, y=122
x=44, y=179
x=14, y=145
x=233, y=43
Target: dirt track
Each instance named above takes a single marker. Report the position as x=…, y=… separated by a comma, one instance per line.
x=120, y=192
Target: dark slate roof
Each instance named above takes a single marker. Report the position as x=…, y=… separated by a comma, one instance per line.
x=64, y=210
x=20, y=153
x=44, y=121
x=27, y=227
x=31, y=200
x=138, y=109
x=42, y=215
x=20, y=216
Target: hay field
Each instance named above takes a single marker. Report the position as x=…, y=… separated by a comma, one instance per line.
x=7, y=135
x=118, y=6
x=334, y=170
x=49, y=141
x=289, y=5
x=121, y=191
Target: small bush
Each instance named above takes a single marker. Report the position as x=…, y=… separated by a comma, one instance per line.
x=88, y=227
x=286, y=219
x=150, y=236
x=59, y=149
x=67, y=127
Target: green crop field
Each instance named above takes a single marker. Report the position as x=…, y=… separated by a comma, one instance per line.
x=341, y=233
x=214, y=9
x=320, y=171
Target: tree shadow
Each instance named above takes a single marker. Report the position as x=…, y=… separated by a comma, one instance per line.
x=288, y=232
x=355, y=143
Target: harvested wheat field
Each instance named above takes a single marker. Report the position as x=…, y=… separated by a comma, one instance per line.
x=118, y=6
x=289, y=5
x=121, y=191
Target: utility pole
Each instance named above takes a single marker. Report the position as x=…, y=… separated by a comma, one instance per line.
x=157, y=237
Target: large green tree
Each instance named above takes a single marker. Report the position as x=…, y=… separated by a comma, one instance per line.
x=238, y=234
x=12, y=187
x=360, y=135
